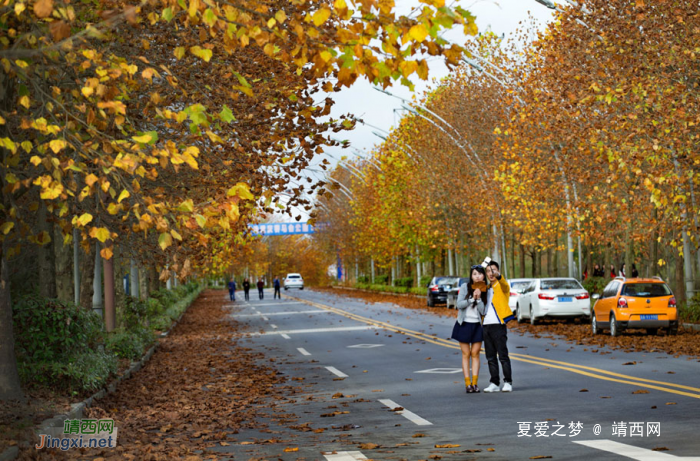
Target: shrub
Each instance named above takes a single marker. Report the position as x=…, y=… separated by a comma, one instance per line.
x=84, y=371
x=418, y=291
x=425, y=280
x=595, y=284
x=154, y=308
x=134, y=312
x=381, y=279
x=406, y=282
x=363, y=279
x=47, y=329
x=690, y=312
x=129, y=344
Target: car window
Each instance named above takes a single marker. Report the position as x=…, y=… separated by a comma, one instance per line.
x=446, y=281
x=645, y=290
x=294, y=276
x=612, y=289
x=519, y=286
x=559, y=284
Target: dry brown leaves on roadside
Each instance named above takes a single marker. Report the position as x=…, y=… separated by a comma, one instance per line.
x=198, y=388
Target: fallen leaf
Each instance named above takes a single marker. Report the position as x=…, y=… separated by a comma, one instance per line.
x=288, y=449
x=640, y=391
x=447, y=446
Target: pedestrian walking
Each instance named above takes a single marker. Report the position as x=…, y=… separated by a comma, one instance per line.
x=468, y=330
x=246, y=288
x=622, y=270
x=232, y=289
x=261, y=285
x=276, y=284
x=635, y=272
x=497, y=314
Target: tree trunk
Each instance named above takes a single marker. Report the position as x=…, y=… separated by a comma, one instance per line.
x=153, y=281
x=143, y=282
x=680, y=291
x=64, y=267
x=538, y=253
x=549, y=262
x=522, y=261
x=45, y=254
x=556, y=256
x=10, y=386
x=87, y=274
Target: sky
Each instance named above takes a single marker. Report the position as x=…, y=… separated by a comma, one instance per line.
x=380, y=110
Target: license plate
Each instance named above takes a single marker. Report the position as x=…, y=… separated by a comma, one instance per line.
x=566, y=299
x=648, y=317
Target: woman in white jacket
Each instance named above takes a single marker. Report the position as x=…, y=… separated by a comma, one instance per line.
x=468, y=330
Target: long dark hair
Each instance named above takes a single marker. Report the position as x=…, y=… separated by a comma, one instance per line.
x=470, y=290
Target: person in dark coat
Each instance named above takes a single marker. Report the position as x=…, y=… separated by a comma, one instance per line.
x=276, y=284
x=246, y=288
x=232, y=289
x=261, y=285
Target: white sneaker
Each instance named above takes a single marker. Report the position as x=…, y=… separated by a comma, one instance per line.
x=492, y=388
x=507, y=387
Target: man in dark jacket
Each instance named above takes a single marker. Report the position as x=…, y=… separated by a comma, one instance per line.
x=246, y=288
x=276, y=284
x=261, y=285
x=232, y=289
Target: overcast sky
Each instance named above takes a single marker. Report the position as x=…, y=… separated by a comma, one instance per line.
x=375, y=108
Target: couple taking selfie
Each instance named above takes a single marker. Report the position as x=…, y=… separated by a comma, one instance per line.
x=482, y=314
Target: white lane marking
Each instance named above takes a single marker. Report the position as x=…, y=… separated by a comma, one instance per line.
x=282, y=313
x=317, y=330
x=286, y=336
x=336, y=372
x=365, y=346
x=345, y=456
x=629, y=451
x=440, y=370
x=265, y=318
x=303, y=351
x=272, y=324
x=409, y=415
x=278, y=304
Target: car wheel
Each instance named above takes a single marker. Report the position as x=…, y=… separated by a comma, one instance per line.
x=301, y=288
x=533, y=320
x=285, y=288
x=518, y=313
x=652, y=331
x=594, y=326
x=614, y=328
x=673, y=330
x=431, y=303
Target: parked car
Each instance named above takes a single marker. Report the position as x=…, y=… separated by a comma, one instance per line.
x=635, y=303
x=454, y=292
x=439, y=287
x=516, y=288
x=293, y=281
x=553, y=298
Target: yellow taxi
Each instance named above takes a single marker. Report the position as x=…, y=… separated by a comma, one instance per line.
x=646, y=303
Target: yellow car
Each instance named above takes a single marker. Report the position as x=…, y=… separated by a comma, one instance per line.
x=646, y=303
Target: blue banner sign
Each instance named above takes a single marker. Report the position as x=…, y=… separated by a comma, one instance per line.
x=281, y=229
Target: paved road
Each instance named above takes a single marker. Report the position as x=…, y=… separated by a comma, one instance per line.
x=356, y=362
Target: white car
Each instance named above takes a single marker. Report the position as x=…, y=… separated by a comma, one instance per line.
x=516, y=288
x=293, y=281
x=553, y=298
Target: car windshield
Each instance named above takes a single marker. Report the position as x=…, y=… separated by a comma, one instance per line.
x=446, y=281
x=519, y=286
x=645, y=290
x=559, y=284
x=294, y=276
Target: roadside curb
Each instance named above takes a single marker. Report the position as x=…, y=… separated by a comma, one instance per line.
x=77, y=409
x=405, y=295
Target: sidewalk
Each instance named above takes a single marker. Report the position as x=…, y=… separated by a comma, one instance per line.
x=197, y=391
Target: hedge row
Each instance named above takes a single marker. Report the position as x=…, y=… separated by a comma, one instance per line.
x=64, y=347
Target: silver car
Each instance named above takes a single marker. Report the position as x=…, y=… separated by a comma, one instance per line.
x=293, y=281
x=553, y=298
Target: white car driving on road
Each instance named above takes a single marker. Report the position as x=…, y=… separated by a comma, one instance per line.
x=293, y=281
x=553, y=298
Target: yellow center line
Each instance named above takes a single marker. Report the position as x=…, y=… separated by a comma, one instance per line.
x=574, y=368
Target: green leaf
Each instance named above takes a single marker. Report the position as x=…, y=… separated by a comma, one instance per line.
x=167, y=14
x=165, y=240
x=226, y=115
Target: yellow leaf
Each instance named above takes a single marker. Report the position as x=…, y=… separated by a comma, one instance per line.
x=280, y=16
x=241, y=190
x=179, y=52
x=87, y=91
x=418, y=33
x=106, y=253
x=165, y=240
x=57, y=145
x=85, y=219
x=201, y=220
x=321, y=16
x=90, y=179
x=113, y=208
x=125, y=194
x=100, y=234
x=7, y=227
x=186, y=207
x=143, y=139
x=24, y=101
x=175, y=234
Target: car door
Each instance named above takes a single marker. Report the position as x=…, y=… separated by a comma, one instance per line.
x=607, y=302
